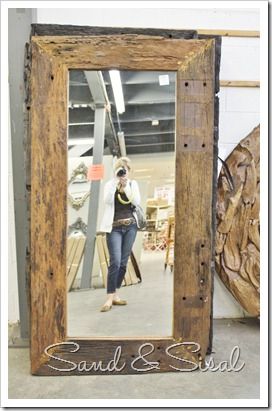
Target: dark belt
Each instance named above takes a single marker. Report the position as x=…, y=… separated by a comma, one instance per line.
x=124, y=221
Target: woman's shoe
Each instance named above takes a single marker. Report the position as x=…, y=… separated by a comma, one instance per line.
x=105, y=308
x=119, y=302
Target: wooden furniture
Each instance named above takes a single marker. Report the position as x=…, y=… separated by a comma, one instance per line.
x=196, y=62
x=154, y=240
x=75, y=251
x=169, y=256
x=156, y=212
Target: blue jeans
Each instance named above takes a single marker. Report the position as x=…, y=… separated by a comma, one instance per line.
x=120, y=242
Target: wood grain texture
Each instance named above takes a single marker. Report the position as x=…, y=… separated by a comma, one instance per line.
x=230, y=33
x=238, y=224
x=193, y=201
x=214, y=198
x=158, y=355
x=217, y=58
x=64, y=30
x=239, y=83
x=48, y=203
x=72, y=30
x=126, y=52
x=74, y=252
x=195, y=64
x=27, y=165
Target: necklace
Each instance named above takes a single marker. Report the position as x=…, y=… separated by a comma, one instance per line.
x=123, y=201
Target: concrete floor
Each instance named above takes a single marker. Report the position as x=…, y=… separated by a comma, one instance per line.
x=85, y=319
x=149, y=309
x=197, y=385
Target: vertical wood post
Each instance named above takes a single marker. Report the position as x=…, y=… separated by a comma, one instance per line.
x=193, y=206
x=48, y=203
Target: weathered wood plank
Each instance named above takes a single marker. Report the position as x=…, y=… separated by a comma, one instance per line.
x=136, y=356
x=239, y=83
x=64, y=30
x=214, y=200
x=71, y=249
x=74, y=265
x=229, y=33
x=217, y=58
x=136, y=266
x=102, y=258
x=126, y=52
x=194, y=63
x=48, y=109
x=193, y=203
x=71, y=30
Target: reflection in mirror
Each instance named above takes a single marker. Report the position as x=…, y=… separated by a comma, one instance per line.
x=121, y=154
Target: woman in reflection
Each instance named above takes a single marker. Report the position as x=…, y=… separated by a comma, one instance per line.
x=120, y=224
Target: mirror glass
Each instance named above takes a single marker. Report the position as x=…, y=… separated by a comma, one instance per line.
x=121, y=155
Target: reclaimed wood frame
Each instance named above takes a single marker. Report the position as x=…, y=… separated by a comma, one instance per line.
x=196, y=129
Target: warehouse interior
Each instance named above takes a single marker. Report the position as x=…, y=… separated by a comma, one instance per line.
x=144, y=131
x=143, y=128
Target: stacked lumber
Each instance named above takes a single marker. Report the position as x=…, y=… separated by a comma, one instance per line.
x=237, y=243
x=75, y=251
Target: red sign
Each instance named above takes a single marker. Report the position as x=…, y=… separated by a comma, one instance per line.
x=96, y=172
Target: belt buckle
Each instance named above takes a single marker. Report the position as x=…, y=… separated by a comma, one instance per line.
x=127, y=222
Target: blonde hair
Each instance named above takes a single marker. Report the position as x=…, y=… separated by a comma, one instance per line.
x=122, y=162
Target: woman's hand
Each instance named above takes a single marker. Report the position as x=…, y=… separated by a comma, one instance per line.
x=123, y=181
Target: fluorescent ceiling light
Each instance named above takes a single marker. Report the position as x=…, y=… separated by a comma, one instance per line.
x=117, y=90
x=80, y=105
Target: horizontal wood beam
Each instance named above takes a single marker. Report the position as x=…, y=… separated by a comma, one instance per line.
x=230, y=33
x=239, y=83
x=66, y=30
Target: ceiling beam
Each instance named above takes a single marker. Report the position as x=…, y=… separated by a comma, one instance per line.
x=98, y=90
x=148, y=112
x=146, y=94
x=149, y=133
x=141, y=150
x=141, y=77
x=133, y=114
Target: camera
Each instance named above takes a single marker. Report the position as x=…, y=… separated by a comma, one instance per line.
x=121, y=172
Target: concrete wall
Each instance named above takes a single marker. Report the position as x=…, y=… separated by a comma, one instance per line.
x=239, y=107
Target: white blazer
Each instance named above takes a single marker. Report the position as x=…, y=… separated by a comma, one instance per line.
x=131, y=190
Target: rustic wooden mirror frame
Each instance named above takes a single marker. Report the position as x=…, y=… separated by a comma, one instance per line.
x=194, y=61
